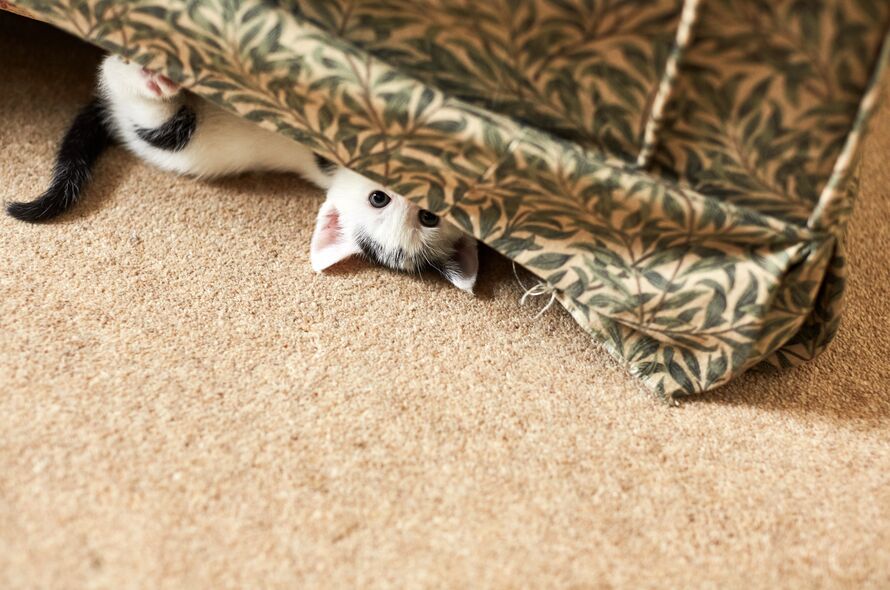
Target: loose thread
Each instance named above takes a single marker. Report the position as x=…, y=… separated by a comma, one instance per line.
x=536, y=290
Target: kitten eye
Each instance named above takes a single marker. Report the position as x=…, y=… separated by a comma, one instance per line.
x=379, y=199
x=428, y=218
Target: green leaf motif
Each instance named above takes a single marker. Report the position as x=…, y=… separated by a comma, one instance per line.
x=686, y=201
x=548, y=261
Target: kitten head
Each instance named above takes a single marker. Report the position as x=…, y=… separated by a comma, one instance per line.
x=362, y=217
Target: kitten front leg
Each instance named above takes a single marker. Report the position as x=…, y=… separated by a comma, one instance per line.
x=159, y=85
x=126, y=79
x=136, y=96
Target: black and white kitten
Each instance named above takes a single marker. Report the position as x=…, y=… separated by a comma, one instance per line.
x=178, y=131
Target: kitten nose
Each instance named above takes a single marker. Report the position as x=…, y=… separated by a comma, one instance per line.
x=410, y=214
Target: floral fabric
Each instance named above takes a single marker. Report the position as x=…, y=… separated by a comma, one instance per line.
x=678, y=173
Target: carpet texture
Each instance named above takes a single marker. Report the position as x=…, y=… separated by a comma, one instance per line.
x=185, y=404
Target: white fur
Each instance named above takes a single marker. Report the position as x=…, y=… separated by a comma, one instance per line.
x=224, y=144
x=396, y=228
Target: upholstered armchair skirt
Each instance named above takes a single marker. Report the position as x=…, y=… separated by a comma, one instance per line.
x=677, y=174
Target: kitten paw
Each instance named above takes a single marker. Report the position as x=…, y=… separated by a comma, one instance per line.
x=159, y=85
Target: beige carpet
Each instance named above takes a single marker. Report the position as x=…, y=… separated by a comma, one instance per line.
x=185, y=404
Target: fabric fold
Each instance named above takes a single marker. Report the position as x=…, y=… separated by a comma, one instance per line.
x=524, y=126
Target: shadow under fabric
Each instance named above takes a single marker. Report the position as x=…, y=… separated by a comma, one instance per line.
x=678, y=174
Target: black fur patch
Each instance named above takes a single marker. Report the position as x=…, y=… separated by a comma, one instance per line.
x=82, y=144
x=173, y=135
x=325, y=165
x=378, y=254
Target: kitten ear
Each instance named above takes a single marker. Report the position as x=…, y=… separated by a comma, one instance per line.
x=330, y=244
x=463, y=266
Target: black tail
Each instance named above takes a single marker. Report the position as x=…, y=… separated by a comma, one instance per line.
x=85, y=140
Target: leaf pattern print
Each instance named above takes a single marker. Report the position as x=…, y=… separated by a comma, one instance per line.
x=678, y=172
x=766, y=99
x=584, y=71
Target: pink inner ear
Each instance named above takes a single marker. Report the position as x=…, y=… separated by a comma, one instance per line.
x=329, y=228
x=329, y=244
